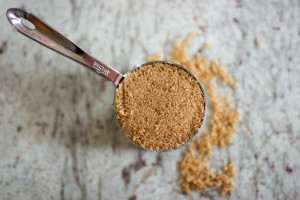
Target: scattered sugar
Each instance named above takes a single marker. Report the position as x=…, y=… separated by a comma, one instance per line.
x=208, y=46
x=196, y=172
x=248, y=132
x=258, y=42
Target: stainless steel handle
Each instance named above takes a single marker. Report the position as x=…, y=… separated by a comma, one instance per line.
x=47, y=36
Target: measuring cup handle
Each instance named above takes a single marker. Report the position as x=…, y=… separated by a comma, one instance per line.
x=47, y=36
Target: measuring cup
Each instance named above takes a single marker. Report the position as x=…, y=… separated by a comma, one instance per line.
x=34, y=28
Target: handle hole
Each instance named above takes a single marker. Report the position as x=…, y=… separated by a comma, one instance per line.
x=27, y=24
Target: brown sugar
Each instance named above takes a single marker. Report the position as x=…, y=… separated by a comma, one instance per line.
x=196, y=172
x=160, y=106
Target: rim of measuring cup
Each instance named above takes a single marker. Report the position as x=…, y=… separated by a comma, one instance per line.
x=136, y=67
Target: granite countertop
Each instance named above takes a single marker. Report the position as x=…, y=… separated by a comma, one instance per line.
x=59, y=137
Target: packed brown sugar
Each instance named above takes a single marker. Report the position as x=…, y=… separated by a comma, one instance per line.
x=160, y=106
x=196, y=172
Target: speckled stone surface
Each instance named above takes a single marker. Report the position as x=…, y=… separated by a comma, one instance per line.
x=59, y=137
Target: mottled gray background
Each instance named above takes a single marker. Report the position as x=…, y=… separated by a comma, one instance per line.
x=59, y=138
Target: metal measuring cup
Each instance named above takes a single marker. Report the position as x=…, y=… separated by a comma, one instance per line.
x=35, y=29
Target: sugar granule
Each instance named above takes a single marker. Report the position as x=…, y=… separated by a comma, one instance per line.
x=160, y=106
x=196, y=172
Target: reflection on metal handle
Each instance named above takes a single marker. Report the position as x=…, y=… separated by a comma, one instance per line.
x=47, y=36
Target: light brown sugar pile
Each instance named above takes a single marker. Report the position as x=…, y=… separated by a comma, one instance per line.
x=160, y=106
x=196, y=172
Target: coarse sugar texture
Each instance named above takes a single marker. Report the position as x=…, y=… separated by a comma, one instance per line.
x=196, y=172
x=160, y=106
